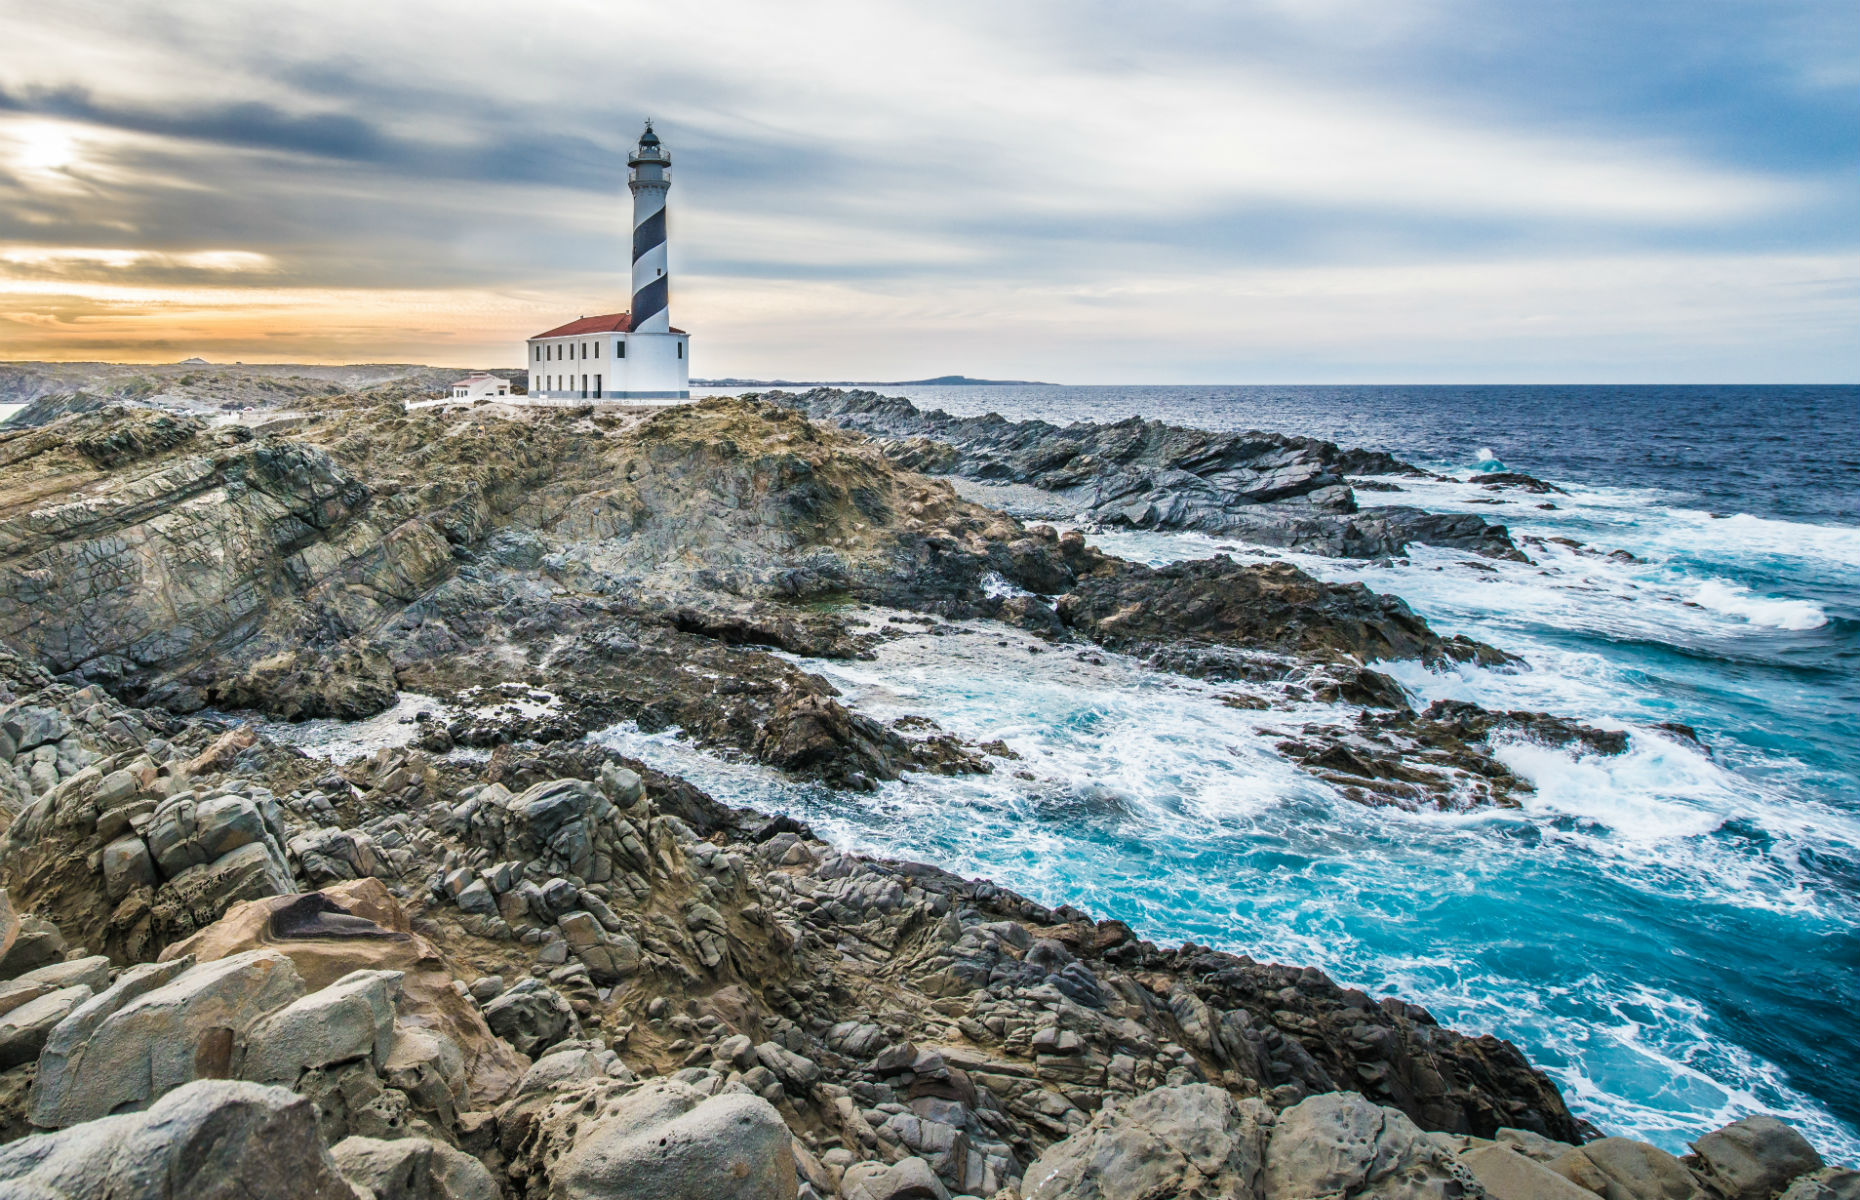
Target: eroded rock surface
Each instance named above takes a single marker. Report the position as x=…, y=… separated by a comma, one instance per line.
x=1268, y=488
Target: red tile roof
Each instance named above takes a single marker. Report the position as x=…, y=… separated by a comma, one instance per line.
x=611, y=323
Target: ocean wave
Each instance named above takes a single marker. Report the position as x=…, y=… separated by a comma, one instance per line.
x=1738, y=601
x=1648, y=1059
x=1648, y=521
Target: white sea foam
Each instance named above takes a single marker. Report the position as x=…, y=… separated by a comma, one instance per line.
x=1150, y=799
x=1649, y=1042
x=345, y=741
x=1738, y=601
x=1643, y=520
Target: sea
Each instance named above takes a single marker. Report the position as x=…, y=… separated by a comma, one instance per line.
x=1672, y=933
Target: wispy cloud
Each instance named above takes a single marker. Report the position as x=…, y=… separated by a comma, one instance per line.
x=1085, y=190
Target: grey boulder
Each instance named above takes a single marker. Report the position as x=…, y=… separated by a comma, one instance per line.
x=413, y=1169
x=1506, y=1174
x=1754, y=1158
x=1191, y=1141
x=92, y=972
x=906, y=1179
x=1618, y=1168
x=352, y=1018
x=209, y=1140
x=160, y=1025
x=1340, y=1144
x=1829, y=1183
x=24, y=1030
x=668, y=1141
x=531, y=1016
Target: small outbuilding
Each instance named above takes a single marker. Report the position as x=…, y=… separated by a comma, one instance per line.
x=480, y=387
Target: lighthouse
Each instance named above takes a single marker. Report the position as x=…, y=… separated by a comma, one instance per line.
x=649, y=176
x=636, y=356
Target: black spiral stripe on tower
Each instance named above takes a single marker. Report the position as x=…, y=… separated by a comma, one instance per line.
x=649, y=233
x=649, y=301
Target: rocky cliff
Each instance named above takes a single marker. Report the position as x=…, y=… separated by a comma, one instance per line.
x=537, y=968
x=648, y=567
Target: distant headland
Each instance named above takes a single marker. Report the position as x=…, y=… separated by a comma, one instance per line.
x=939, y=381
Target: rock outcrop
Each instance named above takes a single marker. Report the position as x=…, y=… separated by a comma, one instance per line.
x=1218, y=604
x=1267, y=488
x=653, y=570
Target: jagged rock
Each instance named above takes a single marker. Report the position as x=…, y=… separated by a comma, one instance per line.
x=530, y=1016
x=1534, y=1146
x=16, y=992
x=27, y=727
x=332, y=855
x=1256, y=607
x=207, y=1140
x=1268, y=488
x=1193, y=1141
x=9, y=925
x=1341, y=1144
x=1754, y=1158
x=667, y=1141
x=429, y=1068
x=185, y=833
x=798, y=1072
x=200, y=895
x=1442, y=757
x=819, y=735
x=412, y=1169
x=565, y=1067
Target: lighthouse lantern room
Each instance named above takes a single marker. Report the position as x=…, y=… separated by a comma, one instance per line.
x=634, y=357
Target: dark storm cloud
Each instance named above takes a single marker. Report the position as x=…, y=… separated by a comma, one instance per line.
x=571, y=161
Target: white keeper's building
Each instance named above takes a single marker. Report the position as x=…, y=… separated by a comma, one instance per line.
x=634, y=357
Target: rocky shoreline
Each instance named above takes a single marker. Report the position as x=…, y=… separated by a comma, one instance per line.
x=539, y=968
x=1268, y=488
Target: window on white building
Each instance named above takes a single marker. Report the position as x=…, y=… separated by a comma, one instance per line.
x=681, y=349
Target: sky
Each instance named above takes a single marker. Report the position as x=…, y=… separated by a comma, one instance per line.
x=1231, y=191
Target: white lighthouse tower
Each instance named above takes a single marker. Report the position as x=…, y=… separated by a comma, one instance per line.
x=632, y=356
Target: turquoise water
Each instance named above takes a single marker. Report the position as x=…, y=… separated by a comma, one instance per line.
x=1675, y=935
